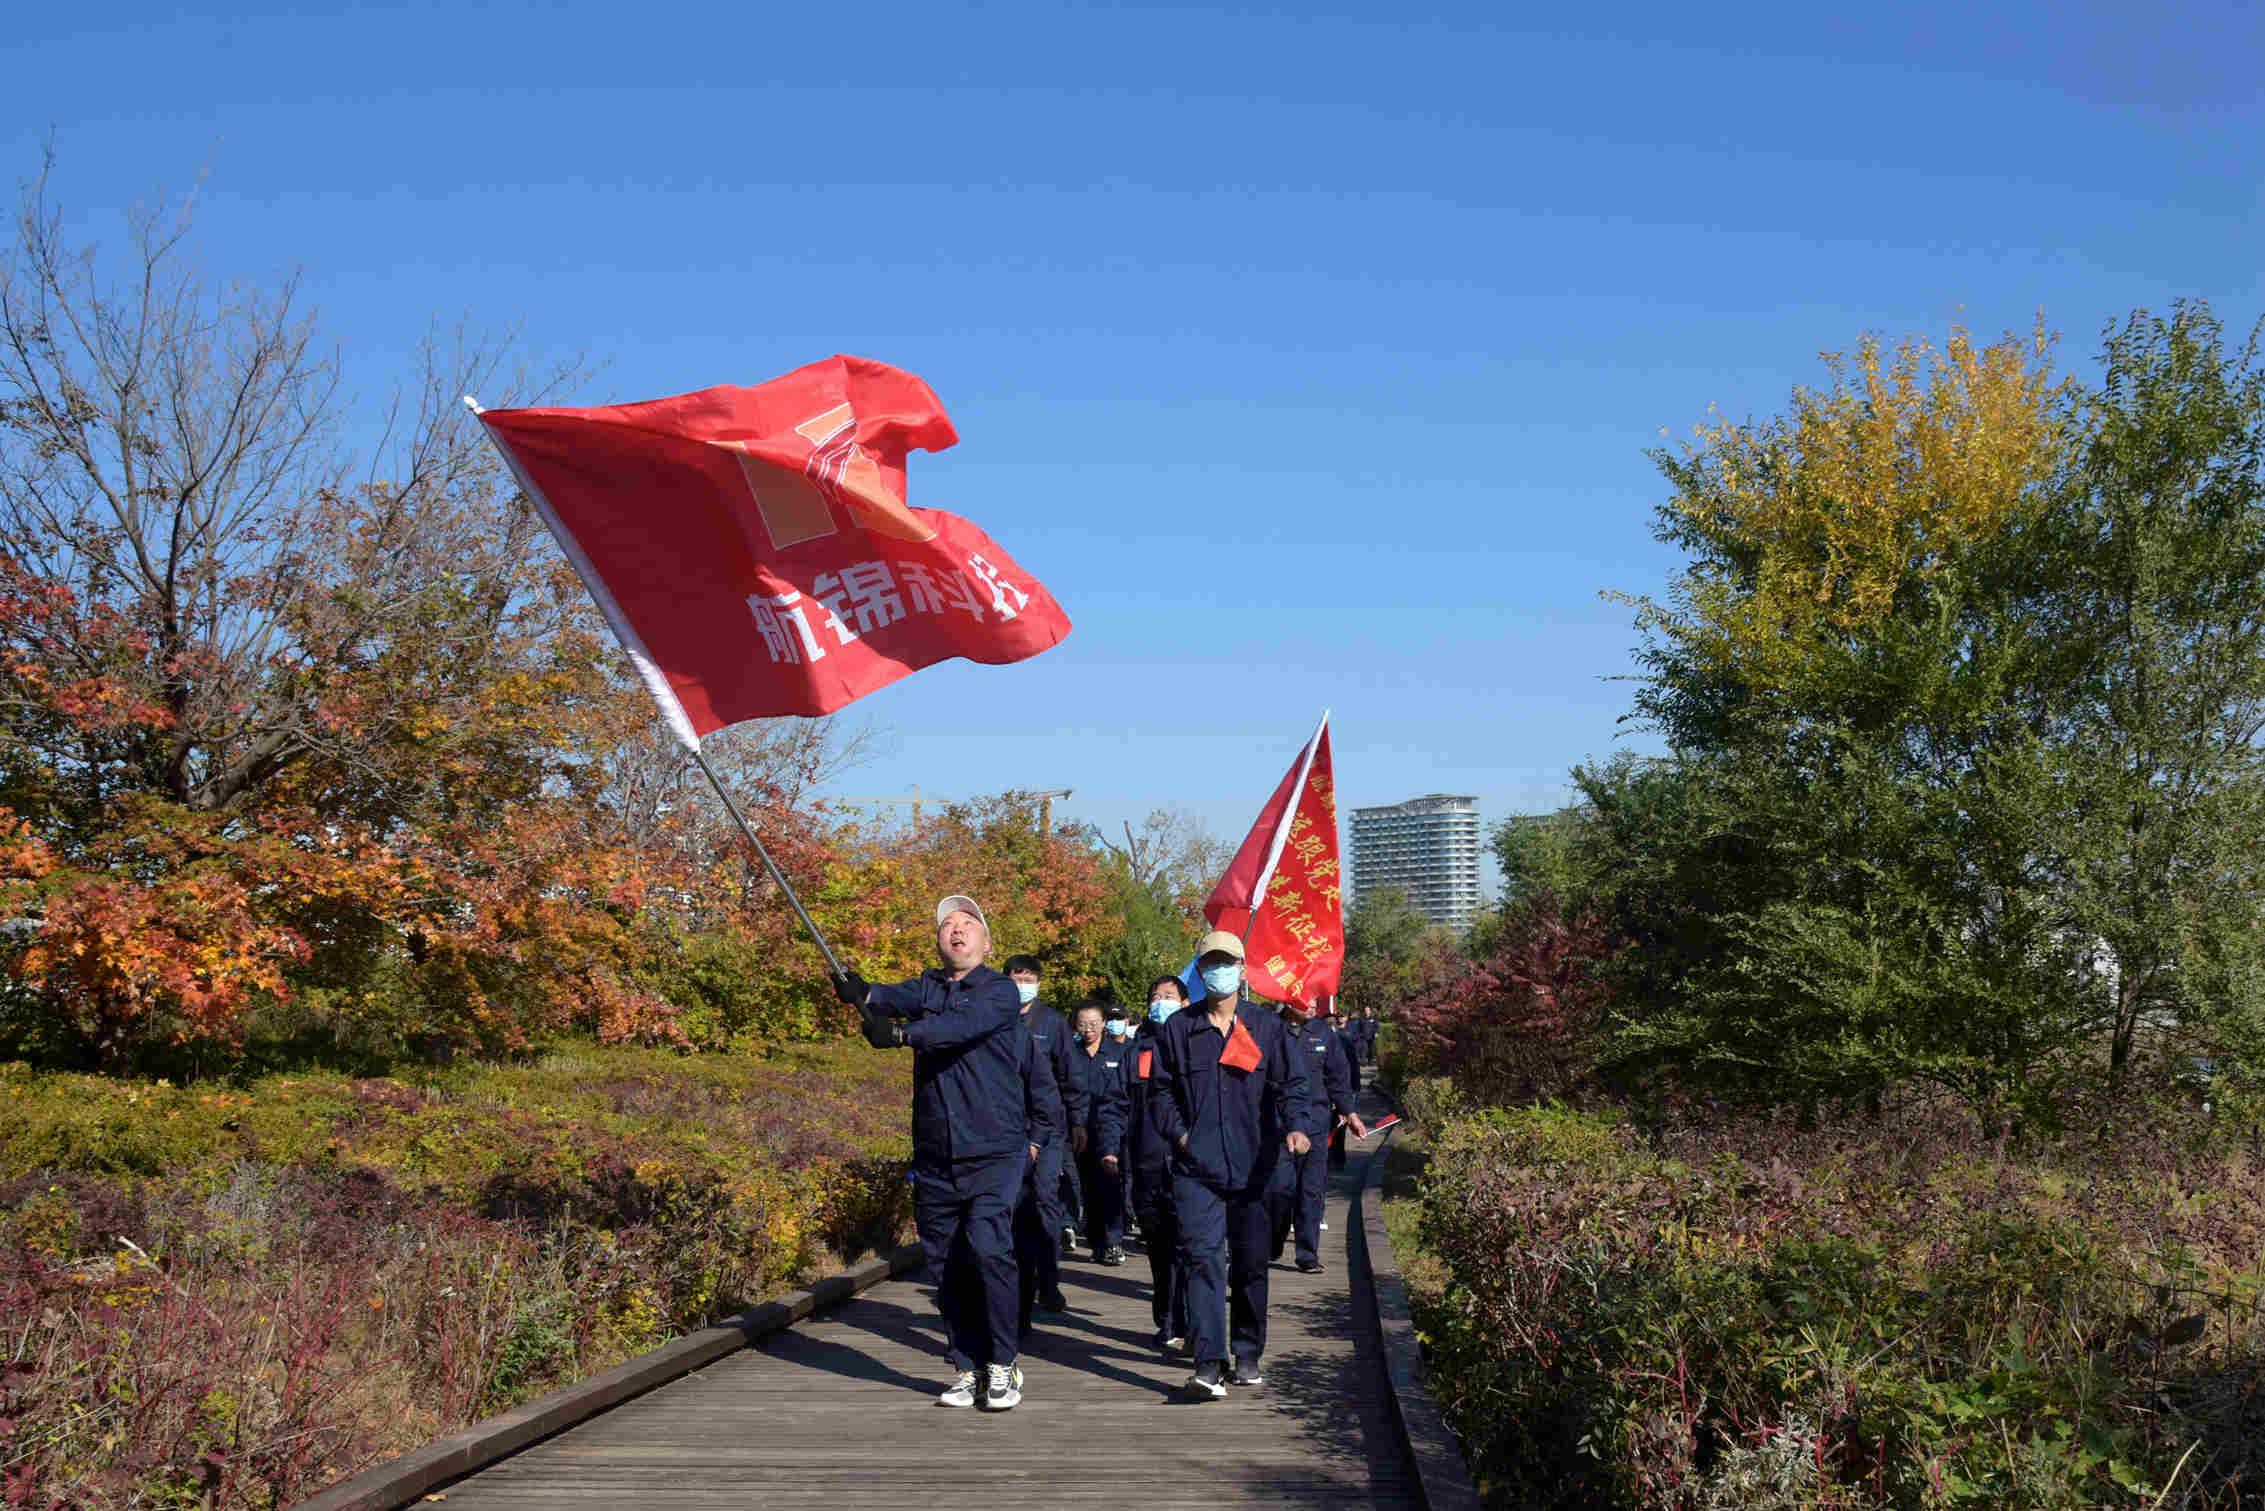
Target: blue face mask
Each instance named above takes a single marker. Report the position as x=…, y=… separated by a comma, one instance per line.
x=1118, y=1028
x=1162, y=1008
x=1028, y=991
x=1222, y=979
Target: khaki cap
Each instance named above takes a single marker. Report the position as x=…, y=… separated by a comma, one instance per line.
x=1221, y=940
x=959, y=902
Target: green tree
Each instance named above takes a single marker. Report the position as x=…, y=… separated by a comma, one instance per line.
x=1964, y=684
x=1547, y=852
x=2164, y=541
x=1869, y=715
x=1384, y=938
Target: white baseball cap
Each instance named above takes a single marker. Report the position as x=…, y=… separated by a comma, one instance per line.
x=959, y=902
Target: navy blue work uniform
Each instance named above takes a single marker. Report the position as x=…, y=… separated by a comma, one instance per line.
x=1148, y=1156
x=1042, y=1104
x=1301, y=1181
x=1233, y=1121
x=971, y=1125
x=1039, y=1218
x=1101, y=1077
x=1123, y=1047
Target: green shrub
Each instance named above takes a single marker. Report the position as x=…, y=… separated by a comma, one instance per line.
x=1747, y=1312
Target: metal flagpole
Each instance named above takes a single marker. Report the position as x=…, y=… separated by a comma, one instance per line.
x=671, y=712
x=769, y=865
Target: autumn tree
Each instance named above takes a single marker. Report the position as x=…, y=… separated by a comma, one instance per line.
x=252, y=692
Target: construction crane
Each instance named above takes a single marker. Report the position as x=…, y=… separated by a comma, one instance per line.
x=1046, y=806
x=915, y=800
x=1045, y=803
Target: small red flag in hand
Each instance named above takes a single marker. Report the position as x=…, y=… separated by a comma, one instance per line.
x=1241, y=1050
x=754, y=549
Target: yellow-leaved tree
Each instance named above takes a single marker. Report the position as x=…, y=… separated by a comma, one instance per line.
x=1802, y=529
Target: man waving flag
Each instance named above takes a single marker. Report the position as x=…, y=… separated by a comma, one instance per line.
x=753, y=547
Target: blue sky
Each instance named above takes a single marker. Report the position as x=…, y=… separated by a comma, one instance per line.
x=1309, y=356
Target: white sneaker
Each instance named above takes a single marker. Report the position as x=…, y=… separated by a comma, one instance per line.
x=1005, y=1389
x=1175, y=1345
x=1325, y=1227
x=962, y=1392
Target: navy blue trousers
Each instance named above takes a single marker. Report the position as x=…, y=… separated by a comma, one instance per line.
x=1104, y=1214
x=1069, y=1205
x=1167, y=1266
x=965, y=1214
x=1301, y=1184
x=1223, y=1239
x=1038, y=1229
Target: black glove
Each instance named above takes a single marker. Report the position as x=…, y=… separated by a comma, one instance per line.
x=881, y=1030
x=851, y=988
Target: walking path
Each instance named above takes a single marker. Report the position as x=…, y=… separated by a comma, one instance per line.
x=838, y=1412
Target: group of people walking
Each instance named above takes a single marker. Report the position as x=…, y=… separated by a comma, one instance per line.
x=1208, y=1124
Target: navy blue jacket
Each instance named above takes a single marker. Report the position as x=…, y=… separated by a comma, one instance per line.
x=1234, y=1120
x=969, y=1092
x=1329, y=1078
x=1041, y=1098
x=1100, y=1078
x=1055, y=1041
x=1145, y=1144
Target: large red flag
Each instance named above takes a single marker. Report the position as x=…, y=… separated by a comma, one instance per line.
x=753, y=548
x=1283, y=891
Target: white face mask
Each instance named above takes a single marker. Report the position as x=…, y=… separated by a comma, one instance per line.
x=1028, y=991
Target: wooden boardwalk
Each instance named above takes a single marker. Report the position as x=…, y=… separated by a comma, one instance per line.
x=838, y=1412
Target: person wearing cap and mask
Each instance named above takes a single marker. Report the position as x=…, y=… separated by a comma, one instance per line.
x=978, y=1108
x=1301, y=1180
x=1232, y=1099
x=1039, y=1217
x=1149, y=1156
x=1097, y=1066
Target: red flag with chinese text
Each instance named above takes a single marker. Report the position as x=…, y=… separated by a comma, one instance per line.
x=1283, y=892
x=754, y=549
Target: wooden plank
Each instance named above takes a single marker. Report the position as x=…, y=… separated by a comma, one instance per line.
x=402, y=1480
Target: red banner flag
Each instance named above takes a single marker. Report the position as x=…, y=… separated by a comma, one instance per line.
x=1235, y=899
x=753, y=548
x=1283, y=892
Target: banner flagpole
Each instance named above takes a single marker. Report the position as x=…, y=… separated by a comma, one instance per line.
x=672, y=712
x=777, y=876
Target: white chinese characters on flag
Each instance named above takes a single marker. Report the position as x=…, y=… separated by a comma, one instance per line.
x=1283, y=893
x=753, y=547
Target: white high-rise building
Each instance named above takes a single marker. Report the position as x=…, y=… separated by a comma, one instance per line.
x=1428, y=847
